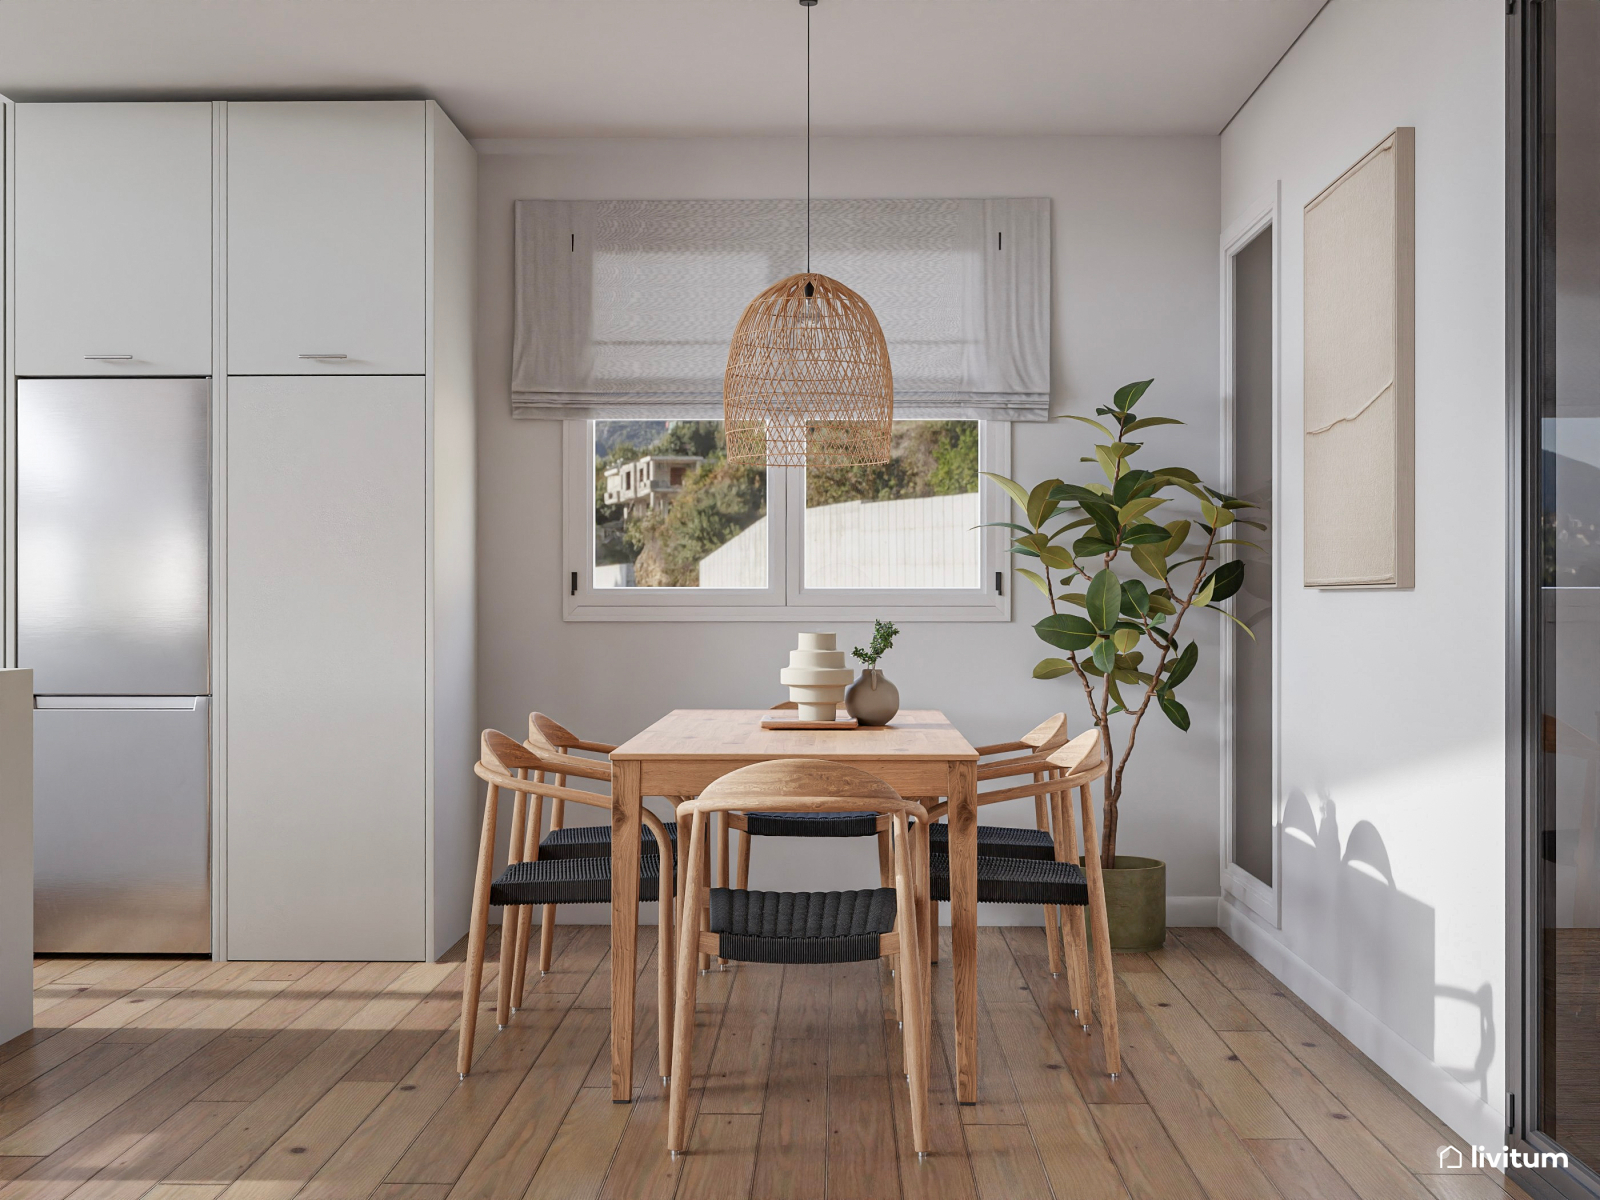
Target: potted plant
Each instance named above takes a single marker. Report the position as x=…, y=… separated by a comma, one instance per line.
x=1096, y=546
x=872, y=699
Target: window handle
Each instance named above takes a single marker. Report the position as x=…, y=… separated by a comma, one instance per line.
x=324, y=356
x=108, y=357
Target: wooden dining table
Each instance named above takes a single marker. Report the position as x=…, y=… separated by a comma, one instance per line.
x=920, y=754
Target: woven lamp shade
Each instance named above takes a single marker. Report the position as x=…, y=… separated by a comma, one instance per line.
x=808, y=382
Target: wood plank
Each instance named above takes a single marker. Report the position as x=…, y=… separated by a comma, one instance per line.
x=946, y=1174
x=855, y=1021
x=1084, y=1053
x=1220, y=1007
x=860, y=1131
x=1150, y=1164
x=305, y=1146
x=791, y=1158
x=1224, y=1079
x=737, y=1080
x=146, y=1015
x=57, y=1086
x=449, y=1140
x=229, y=1155
x=184, y=1191
x=1005, y=1164
x=1074, y=1157
x=576, y=1164
x=1235, y=969
x=1409, y=1138
x=399, y=1050
x=287, y=970
x=645, y=1058
x=411, y=1191
x=722, y=1157
x=641, y=1169
x=1188, y=1111
x=13, y=1165
x=48, y=1052
x=1468, y=1187
x=505, y=1163
x=377, y=1144
x=143, y=1130
x=147, y=1161
x=1298, y=1171
x=805, y=1004
x=1366, y=1165
x=999, y=979
x=576, y=958
x=997, y=1095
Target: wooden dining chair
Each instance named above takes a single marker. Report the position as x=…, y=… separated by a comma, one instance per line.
x=549, y=738
x=1057, y=882
x=506, y=765
x=796, y=824
x=805, y=927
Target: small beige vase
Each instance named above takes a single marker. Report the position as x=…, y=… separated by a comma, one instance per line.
x=872, y=699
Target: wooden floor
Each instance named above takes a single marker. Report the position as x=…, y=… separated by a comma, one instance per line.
x=190, y=1080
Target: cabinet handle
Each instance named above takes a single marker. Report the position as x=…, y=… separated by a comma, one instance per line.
x=324, y=356
x=108, y=357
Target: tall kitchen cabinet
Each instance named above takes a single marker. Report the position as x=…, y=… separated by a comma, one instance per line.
x=346, y=726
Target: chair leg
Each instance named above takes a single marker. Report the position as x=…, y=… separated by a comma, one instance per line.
x=705, y=873
x=683, y=998
x=724, y=875
x=885, y=859
x=519, y=968
x=547, y=938
x=1052, y=913
x=744, y=860
x=1072, y=931
x=477, y=931
x=510, y=926
x=908, y=992
x=666, y=953
x=1104, y=978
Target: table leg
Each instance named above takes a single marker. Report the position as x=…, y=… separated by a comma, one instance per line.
x=963, y=820
x=626, y=801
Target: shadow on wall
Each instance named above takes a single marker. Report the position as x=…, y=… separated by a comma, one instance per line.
x=1375, y=943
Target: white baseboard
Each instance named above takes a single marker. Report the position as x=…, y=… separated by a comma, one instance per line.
x=1475, y=1121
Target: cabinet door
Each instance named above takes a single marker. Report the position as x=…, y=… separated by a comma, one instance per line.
x=326, y=528
x=326, y=225
x=113, y=239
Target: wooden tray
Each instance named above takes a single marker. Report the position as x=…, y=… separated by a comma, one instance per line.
x=792, y=723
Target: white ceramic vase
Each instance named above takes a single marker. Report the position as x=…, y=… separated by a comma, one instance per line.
x=817, y=677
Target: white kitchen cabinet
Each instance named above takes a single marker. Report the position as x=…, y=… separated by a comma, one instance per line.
x=326, y=508
x=326, y=236
x=347, y=731
x=113, y=255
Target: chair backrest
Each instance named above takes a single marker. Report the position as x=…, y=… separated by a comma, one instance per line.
x=1081, y=756
x=801, y=785
x=1049, y=734
x=543, y=732
x=500, y=753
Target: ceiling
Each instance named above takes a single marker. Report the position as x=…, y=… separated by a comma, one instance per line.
x=534, y=68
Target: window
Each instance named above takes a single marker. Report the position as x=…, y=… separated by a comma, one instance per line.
x=723, y=541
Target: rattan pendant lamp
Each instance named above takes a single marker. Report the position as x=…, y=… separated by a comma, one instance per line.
x=808, y=381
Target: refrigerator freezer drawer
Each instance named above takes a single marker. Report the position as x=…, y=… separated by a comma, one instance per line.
x=121, y=838
x=113, y=535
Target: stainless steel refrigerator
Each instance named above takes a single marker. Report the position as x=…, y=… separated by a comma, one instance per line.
x=113, y=608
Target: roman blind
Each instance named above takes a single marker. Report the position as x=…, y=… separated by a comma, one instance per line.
x=624, y=308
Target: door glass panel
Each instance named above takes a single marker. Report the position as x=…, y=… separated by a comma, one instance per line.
x=1252, y=480
x=1568, y=850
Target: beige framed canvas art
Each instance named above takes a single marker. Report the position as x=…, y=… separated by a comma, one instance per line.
x=1360, y=320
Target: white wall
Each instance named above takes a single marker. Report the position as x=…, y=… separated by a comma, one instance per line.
x=1135, y=295
x=1393, y=715
x=16, y=853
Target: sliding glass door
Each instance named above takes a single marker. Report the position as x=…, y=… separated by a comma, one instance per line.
x=1558, y=327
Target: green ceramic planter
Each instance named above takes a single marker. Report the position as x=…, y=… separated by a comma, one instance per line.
x=1136, y=903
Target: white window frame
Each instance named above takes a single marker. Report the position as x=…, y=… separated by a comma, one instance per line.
x=784, y=598
x=1262, y=897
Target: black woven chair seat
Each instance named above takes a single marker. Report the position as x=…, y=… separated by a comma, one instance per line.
x=812, y=824
x=999, y=841
x=592, y=841
x=568, y=881
x=1015, y=881
x=801, y=927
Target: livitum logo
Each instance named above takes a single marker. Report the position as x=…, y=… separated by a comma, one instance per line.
x=1451, y=1158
